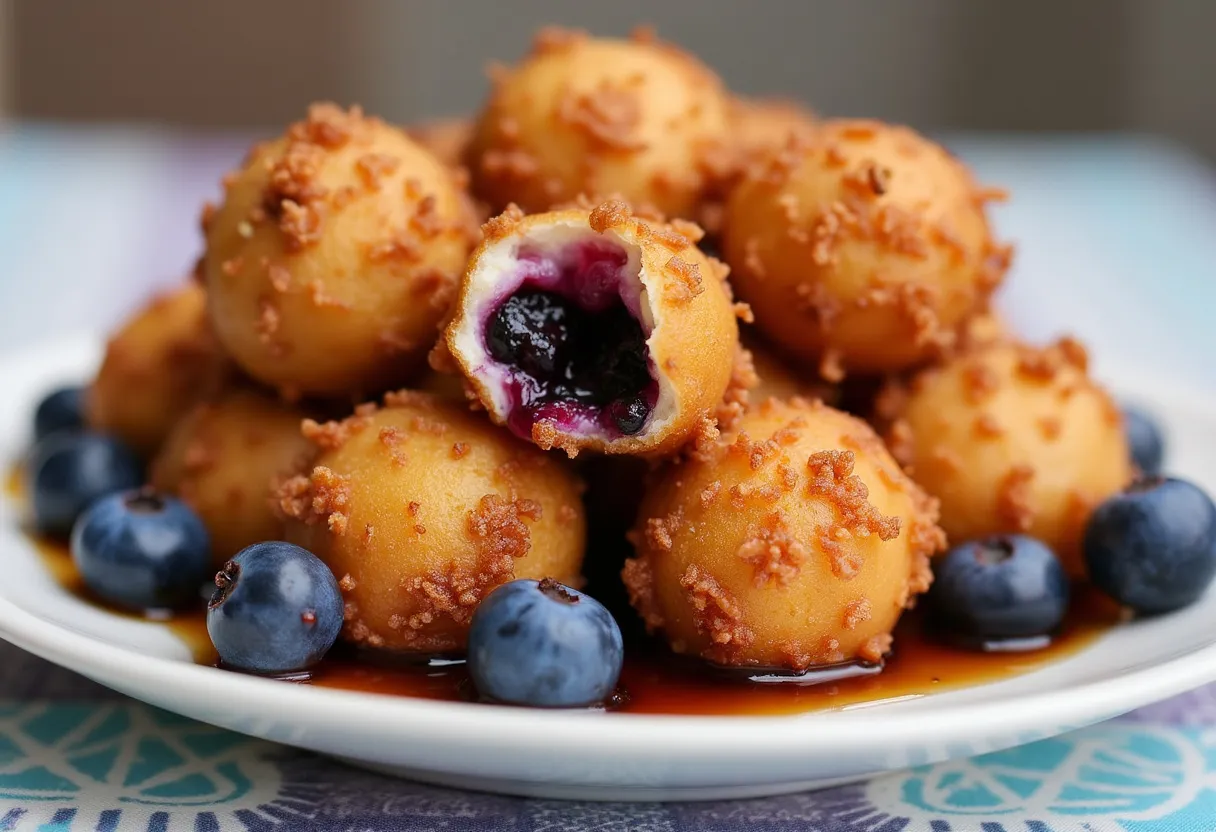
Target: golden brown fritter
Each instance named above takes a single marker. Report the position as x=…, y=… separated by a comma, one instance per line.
x=420, y=508
x=863, y=249
x=335, y=255
x=795, y=542
x=599, y=117
x=1013, y=438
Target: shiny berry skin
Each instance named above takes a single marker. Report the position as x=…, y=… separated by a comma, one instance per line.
x=998, y=588
x=61, y=410
x=68, y=471
x=543, y=644
x=142, y=550
x=1145, y=439
x=277, y=609
x=1153, y=546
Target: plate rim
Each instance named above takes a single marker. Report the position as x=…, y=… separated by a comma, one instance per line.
x=682, y=737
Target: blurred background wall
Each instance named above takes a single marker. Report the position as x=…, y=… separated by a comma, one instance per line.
x=1058, y=65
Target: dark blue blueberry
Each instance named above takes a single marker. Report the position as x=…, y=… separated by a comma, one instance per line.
x=544, y=644
x=1145, y=439
x=142, y=550
x=61, y=410
x=276, y=609
x=998, y=588
x=1153, y=547
x=68, y=471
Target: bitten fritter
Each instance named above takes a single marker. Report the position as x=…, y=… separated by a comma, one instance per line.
x=1014, y=438
x=795, y=543
x=596, y=330
x=156, y=366
x=863, y=249
x=335, y=255
x=598, y=117
x=226, y=459
x=421, y=508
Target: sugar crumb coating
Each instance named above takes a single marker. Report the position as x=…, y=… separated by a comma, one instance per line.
x=1013, y=438
x=678, y=296
x=335, y=254
x=422, y=508
x=794, y=541
x=158, y=363
x=226, y=458
x=596, y=116
x=862, y=248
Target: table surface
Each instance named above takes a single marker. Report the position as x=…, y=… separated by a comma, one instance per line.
x=1115, y=245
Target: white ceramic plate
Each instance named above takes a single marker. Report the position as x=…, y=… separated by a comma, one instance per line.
x=596, y=755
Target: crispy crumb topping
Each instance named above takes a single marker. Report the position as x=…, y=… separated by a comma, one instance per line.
x=716, y=615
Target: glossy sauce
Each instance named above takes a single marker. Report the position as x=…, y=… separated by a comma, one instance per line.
x=656, y=682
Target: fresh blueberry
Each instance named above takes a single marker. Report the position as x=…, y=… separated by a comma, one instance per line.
x=1153, y=547
x=68, y=471
x=1146, y=440
x=62, y=409
x=277, y=609
x=999, y=588
x=142, y=550
x=544, y=644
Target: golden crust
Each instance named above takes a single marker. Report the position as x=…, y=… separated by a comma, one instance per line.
x=692, y=345
x=335, y=255
x=862, y=248
x=421, y=508
x=157, y=365
x=795, y=541
x=226, y=458
x=594, y=116
x=1013, y=438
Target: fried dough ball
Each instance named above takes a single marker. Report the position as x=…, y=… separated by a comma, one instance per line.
x=335, y=255
x=595, y=330
x=795, y=543
x=600, y=117
x=760, y=125
x=984, y=329
x=421, y=508
x=1013, y=438
x=864, y=249
x=155, y=368
x=447, y=138
x=226, y=457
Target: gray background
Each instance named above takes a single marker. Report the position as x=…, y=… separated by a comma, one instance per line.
x=1035, y=65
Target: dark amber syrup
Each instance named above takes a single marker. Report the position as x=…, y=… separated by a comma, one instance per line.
x=656, y=682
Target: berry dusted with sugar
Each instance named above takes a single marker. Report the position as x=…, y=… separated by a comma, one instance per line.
x=998, y=589
x=156, y=366
x=864, y=248
x=335, y=255
x=599, y=117
x=1012, y=438
x=68, y=471
x=1146, y=439
x=794, y=543
x=543, y=644
x=226, y=458
x=421, y=508
x=595, y=330
x=142, y=550
x=60, y=410
x=277, y=609
x=1152, y=547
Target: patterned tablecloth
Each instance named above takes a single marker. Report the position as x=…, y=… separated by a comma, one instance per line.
x=1115, y=244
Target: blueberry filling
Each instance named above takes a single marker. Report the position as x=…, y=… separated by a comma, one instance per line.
x=576, y=352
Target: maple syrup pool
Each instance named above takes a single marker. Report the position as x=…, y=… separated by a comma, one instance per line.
x=654, y=681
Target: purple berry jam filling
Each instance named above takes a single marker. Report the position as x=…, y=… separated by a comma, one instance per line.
x=570, y=336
